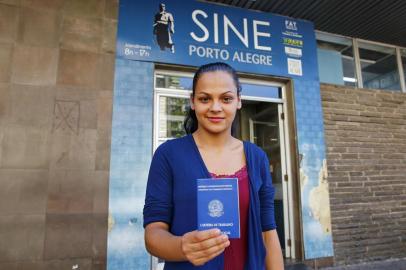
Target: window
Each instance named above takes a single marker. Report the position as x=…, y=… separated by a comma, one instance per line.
x=403, y=56
x=336, y=59
x=173, y=82
x=378, y=66
x=172, y=112
x=257, y=90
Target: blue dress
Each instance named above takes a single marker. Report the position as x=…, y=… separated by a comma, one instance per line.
x=171, y=197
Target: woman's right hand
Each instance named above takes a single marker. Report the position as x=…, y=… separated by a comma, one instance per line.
x=202, y=246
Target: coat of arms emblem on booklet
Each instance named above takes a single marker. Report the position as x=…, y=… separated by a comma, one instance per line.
x=218, y=206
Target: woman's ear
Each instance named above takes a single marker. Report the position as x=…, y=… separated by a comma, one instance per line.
x=192, y=104
x=239, y=105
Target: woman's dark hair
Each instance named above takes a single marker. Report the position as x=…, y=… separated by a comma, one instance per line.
x=190, y=124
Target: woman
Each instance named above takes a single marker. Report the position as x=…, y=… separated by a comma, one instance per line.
x=210, y=150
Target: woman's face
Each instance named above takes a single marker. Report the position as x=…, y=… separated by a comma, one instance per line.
x=215, y=101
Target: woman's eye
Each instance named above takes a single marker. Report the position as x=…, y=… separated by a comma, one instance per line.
x=227, y=99
x=204, y=99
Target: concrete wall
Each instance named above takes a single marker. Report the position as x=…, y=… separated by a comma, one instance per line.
x=366, y=156
x=56, y=81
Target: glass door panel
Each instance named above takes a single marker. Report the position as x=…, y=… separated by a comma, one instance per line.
x=171, y=113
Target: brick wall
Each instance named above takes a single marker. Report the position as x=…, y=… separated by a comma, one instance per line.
x=366, y=154
x=56, y=81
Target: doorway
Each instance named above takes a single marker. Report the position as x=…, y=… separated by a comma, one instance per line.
x=261, y=120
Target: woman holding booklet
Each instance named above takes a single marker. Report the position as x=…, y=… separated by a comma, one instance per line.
x=210, y=151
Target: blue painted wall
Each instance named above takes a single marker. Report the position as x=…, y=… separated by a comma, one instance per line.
x=131, y=152
x=310, y=133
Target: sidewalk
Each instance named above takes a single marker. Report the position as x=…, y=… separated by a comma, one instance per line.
x=383, y=265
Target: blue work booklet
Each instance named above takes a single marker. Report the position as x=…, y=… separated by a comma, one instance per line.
x=217, y=205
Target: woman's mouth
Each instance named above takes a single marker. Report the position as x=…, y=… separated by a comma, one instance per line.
x=215, y=119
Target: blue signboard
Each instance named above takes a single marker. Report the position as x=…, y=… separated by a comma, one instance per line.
x=192, y=33
x=195, y=33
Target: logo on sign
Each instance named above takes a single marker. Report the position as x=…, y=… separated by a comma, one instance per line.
x=293, y=51
x=163, y=29
x=291, y=25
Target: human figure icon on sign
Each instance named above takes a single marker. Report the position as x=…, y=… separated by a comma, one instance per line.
x=164, y=28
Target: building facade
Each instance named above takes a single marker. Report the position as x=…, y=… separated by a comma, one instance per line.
x=79, y=123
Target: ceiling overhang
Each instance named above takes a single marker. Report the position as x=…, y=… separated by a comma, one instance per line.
x=374, y=20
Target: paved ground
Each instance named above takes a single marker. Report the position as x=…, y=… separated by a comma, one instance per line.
x=298, y=266
x=385, y=265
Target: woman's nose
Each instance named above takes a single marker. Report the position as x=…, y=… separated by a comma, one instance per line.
x=216, y=106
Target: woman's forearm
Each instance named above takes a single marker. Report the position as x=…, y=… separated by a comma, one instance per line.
x=274, y=257
x=162, y=244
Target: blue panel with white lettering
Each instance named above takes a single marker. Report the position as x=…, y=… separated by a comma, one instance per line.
x=195, y=33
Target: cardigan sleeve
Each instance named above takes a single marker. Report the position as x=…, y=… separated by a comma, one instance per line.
x=158, y=198
x=266, y=197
